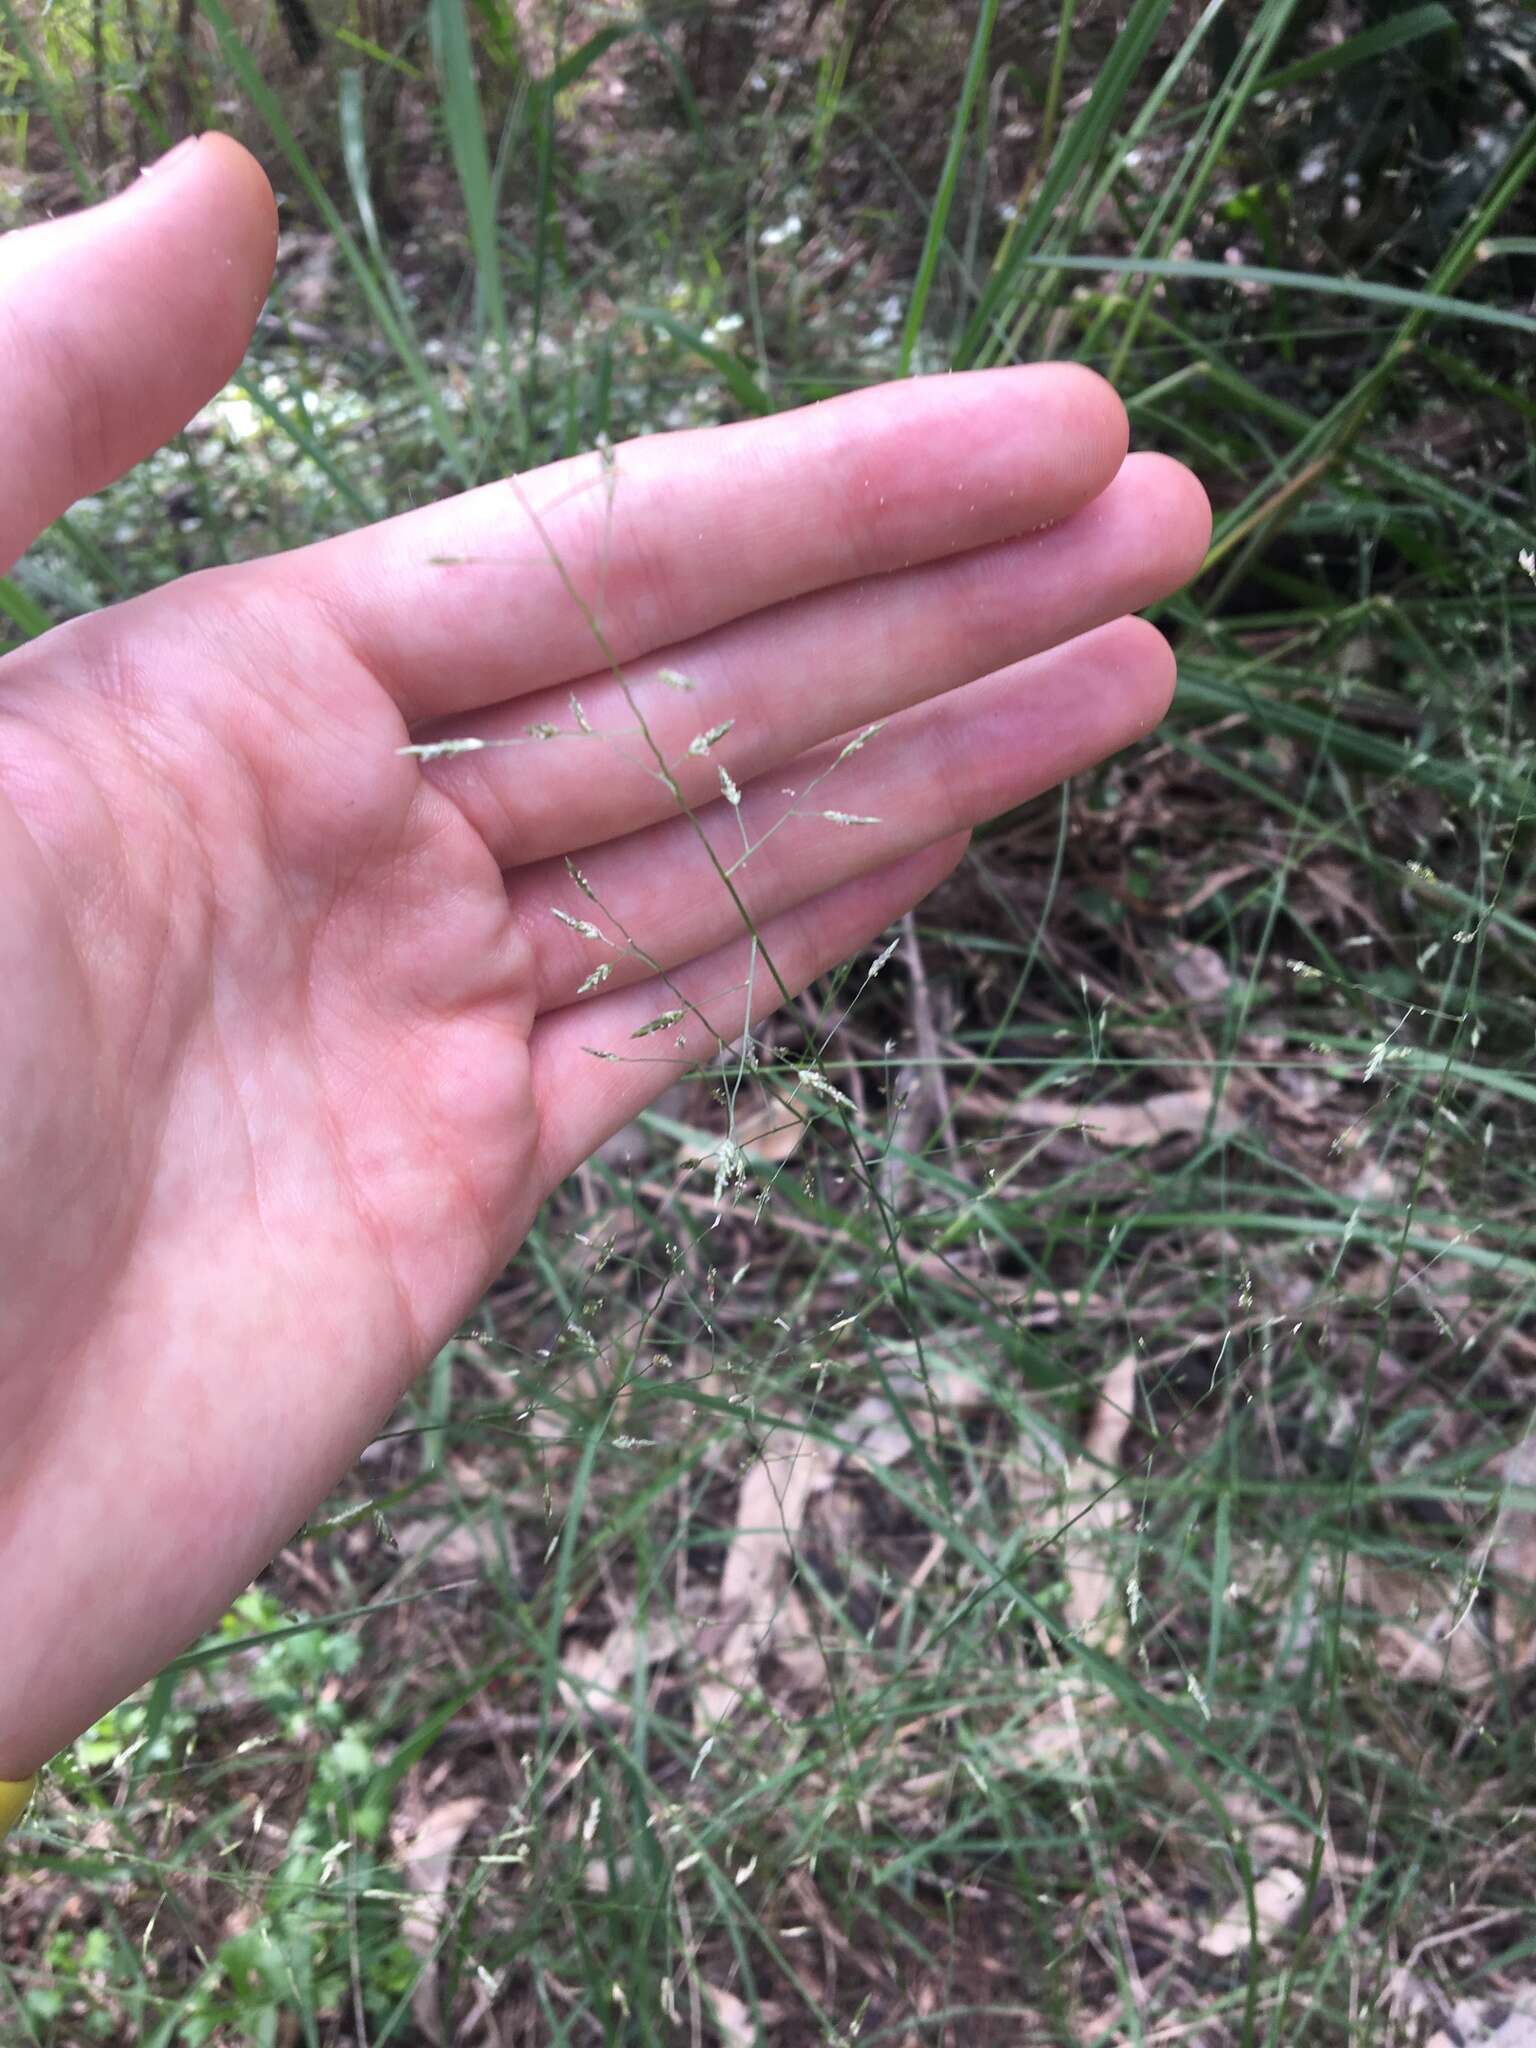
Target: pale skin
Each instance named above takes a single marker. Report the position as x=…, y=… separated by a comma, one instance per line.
x=292, y=1049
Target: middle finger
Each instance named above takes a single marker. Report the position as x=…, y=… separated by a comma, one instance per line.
x=656, y=899
x=572, y=768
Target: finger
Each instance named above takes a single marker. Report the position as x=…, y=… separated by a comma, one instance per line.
x=503, y=591
x=789, y=678
x=657, y=899
x=116, y=324
x=591, y=1074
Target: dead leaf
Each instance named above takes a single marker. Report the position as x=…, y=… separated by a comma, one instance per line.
x=1033, y=1469
x=1090, y=1582
x=597, y=1679
x=1277, y=1898
x=770, y=1134
x=1490, y=2023
x=799, y=1655
x=1373, y=1181
x=1424, y=1635
x=732, y=2018
x=599, y=1874
x=1182, y=1112
x=1512, y=1558
x=1069, y=1715
x=770, y=1511
x=1199, y=972
x=1429, y=1632
x=882, y=1430
x=447, y=1543
x=310, y=279
x=425, y=1861
x=767, y=1135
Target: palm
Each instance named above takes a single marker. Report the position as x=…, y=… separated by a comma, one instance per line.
x=293, y=1094
x=324, y=1006
x=300, y=1037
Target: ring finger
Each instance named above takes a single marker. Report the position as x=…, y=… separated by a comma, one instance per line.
x=577, y=766
x=662, y=896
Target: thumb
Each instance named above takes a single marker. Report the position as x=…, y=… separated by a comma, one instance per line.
x=118, y=323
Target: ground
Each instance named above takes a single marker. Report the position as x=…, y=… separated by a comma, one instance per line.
x=1027, y=1536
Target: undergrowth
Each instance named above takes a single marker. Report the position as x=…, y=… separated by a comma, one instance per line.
x=1018, y=1527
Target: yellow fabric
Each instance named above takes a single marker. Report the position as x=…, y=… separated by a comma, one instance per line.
x=13, y=1803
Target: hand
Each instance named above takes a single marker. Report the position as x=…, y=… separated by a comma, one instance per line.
x=293, y=1044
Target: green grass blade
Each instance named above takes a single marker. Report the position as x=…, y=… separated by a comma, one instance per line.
x=42, y=84
x=464, y=119
x=1392, y=34
x=391, y=324
x=24, y=613
x=738, y=379
x=1430, y=305
x=291, y=423
x=1075, y=160
x=944, y=199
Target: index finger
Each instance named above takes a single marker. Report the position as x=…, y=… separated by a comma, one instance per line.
x=534, y=581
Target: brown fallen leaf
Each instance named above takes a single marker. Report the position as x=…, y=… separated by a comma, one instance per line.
x=1090, y=1582
x=797, y=1651
x=425, y=1861
x=731, y=2017
x=1068, y=1720
x=767, y=1135
x=1199, y=972
x=597, y=1679
x=446, y=1543
x=881, y=1429
x=1428, y=1631
x=1277, y=1898
x=770, y=1512
x=598, y=1874
x=920, y=1101
x=1490, y=2023
x=1182, y=1112
x=1424, y=1635
x=1512, y=1557
x=770, y=1133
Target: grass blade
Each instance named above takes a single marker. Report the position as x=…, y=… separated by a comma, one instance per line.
x=944, y=199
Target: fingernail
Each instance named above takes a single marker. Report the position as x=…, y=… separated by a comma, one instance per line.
x=184, y=148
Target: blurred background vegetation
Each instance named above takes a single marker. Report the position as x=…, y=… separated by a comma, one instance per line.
x=1035, y=1547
